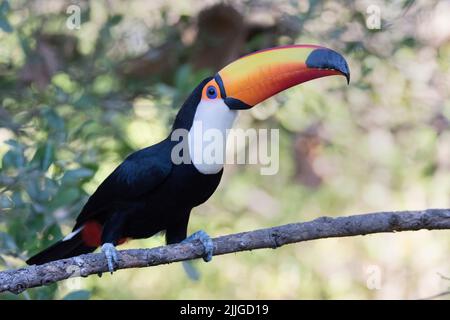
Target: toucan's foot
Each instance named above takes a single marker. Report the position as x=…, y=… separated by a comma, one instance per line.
x=111, y=255
x=206, y=241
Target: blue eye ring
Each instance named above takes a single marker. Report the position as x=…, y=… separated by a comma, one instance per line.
x=211, y=92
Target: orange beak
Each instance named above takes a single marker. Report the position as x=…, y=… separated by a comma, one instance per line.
x=260, y=75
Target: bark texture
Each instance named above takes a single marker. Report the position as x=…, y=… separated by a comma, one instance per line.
x=19, y=280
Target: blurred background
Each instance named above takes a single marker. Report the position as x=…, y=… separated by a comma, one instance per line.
x=80, y=92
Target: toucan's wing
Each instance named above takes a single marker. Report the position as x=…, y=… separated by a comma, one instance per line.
x=140, y=173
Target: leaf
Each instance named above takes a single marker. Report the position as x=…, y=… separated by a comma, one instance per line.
x=64, y=197
x=191, y=270
x=45, y=293
x=182, y=75
x=33, y=189
x=84, y=101
x=25, y=44
x=4, y=24
x=14, y=158
x=7, y=243
x=4, y=7
x=51, y=233
x=78, y=295
x=86, y=14
x=54, y=121
x=76, y=175
x=6, y=202
x=115, y=19
x=44, y=156
x=17, y=200
x=41, y=189
x=63, y=81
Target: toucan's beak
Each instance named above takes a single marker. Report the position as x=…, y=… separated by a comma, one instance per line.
x=260, y=75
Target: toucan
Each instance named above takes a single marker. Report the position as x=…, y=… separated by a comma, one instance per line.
x=149, y=192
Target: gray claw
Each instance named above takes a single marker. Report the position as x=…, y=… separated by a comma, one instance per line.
x=206, y=241
x=111, y=255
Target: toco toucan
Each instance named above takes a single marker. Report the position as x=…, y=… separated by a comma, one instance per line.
x=149, y=192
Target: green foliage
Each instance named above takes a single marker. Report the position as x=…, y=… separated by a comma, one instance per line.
x=4, y=23
x=68, y=117
x=78, y=295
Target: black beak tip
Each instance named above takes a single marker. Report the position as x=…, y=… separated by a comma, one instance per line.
x=328, y=59
x=347, y=76
x=344, y=69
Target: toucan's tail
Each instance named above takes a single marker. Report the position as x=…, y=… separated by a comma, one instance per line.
x=70, y=246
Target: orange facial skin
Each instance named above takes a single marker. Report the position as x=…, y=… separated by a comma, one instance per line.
x=214, y=84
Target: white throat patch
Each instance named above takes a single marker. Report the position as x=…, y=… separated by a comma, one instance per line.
x=208, y=134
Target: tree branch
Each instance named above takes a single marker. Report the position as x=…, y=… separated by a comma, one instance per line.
x=19, y=280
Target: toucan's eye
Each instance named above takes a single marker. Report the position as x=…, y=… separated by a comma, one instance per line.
x=211, y=92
